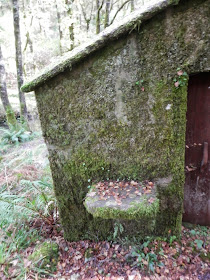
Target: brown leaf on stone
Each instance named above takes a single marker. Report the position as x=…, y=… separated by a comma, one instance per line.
x=147, y=191
x=91, y=194
x=133, y=183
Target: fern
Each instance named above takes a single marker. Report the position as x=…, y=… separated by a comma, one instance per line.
x=14, y=136
x=33, y=200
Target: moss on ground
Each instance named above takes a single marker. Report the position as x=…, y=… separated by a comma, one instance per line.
x=45, y=256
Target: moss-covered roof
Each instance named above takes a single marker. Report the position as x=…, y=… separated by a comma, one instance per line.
x=111, y=33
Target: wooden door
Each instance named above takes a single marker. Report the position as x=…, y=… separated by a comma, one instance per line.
x=197, y=151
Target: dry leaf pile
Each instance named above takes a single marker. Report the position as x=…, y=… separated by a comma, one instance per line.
x=123, y=189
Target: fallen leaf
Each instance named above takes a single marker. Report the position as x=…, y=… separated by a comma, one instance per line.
x=133, y=183
x=180, y=73
x=148, y=191
x=151, y=200
x=91, y=194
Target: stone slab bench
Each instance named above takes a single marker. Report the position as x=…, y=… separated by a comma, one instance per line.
x=124, y=201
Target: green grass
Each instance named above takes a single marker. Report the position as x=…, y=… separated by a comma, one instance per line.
x=26, y=195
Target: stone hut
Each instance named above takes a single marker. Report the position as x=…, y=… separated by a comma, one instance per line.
x=115, y=110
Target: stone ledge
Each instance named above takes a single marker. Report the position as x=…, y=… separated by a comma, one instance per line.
x=130, y=202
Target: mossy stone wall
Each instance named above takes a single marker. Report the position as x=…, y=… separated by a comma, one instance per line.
x=118, y=114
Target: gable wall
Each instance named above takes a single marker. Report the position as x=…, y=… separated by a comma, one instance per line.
x=100, y=120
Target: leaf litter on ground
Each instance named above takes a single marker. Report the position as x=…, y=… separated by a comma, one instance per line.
x=186, y=258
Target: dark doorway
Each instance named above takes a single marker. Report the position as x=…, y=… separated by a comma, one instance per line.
x=197, y=151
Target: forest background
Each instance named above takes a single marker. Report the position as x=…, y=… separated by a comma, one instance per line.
x=49, y=29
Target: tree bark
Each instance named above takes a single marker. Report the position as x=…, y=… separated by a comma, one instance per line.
x=86, y=18
x=71, y=26
x=59, y=26
x=107, y=11
x=132, y=5
x=98, y=19
x=3, y=85
x=19, y=64
x=71, y=36
x=28, y=43
x=10, y=116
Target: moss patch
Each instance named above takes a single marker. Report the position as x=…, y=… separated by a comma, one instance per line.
x=45, y=256
x=133, y=204
x=137, y=211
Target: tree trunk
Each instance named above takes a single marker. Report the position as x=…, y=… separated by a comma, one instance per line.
x=3, y=85
x=59, y=26
x=28, y=43
x=71, y=35
x=71, y=26
x=10, y=116
x=106, y=20
x=97, y=17
x=19, y=65
x=132, y=5
x=87, y=19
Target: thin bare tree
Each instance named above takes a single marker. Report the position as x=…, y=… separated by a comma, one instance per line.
x=19, y=63
x=98, y=17
x=59, y=26
x=10, y=116
x=118, y=10
x=132, y=5
x=87, y=17
x=107, y=11
x=69, y=4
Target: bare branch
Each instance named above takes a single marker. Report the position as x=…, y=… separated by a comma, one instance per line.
x=120, y=8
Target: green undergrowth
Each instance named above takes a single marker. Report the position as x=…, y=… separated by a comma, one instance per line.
x=26, y=196
x=19, y=207
x=45, y=255
x=149, y=253
x=15, y=135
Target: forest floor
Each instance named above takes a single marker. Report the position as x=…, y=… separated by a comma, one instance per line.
x=28, y=217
